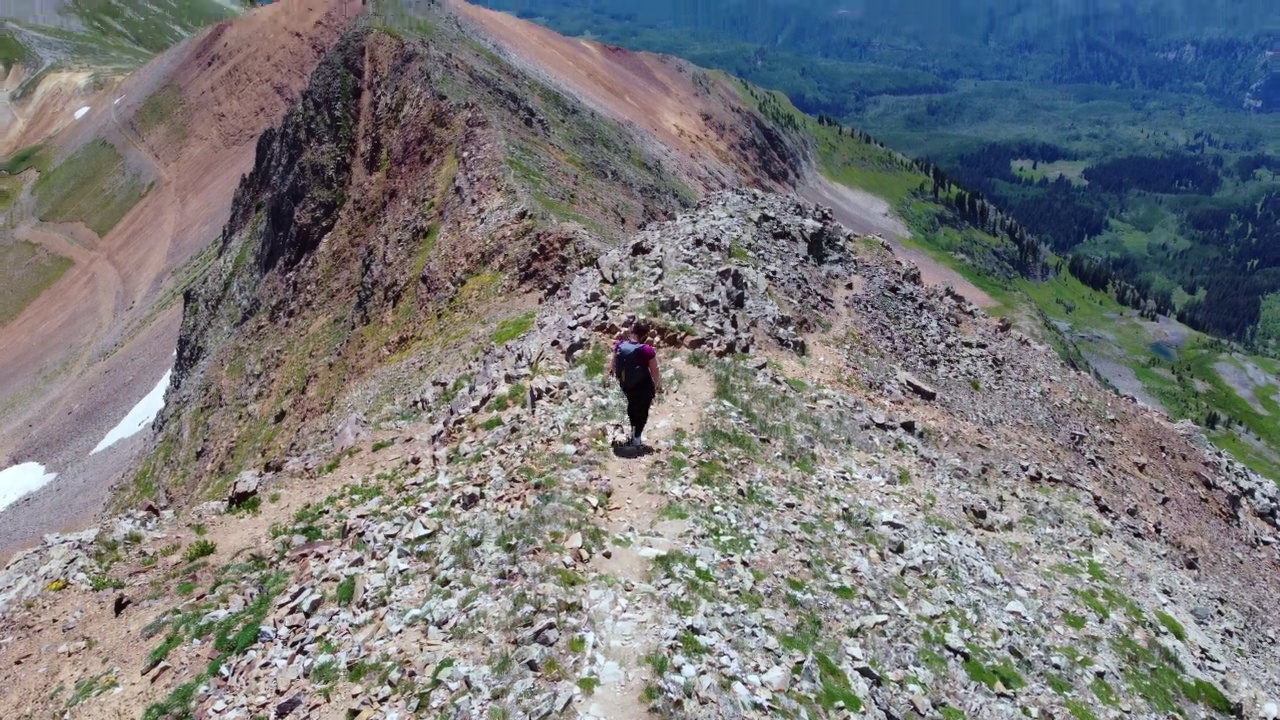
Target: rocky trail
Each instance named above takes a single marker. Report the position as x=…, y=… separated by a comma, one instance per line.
x=636, y=504
x=866, y=499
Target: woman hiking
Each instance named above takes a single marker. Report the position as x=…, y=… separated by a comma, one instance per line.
x=635, y=364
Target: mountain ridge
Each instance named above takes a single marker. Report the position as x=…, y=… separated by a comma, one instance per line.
x=821, y=382
x=387, y=481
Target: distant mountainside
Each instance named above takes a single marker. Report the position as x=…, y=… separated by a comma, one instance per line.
x=99, y=33
x=937, y=22
x=1211, y=47
x=110, y=189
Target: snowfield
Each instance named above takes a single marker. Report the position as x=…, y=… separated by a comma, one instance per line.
x=21, y=479
x=139, y=417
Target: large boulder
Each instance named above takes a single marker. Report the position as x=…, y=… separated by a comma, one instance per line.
x=246, y=487
x=351, y=433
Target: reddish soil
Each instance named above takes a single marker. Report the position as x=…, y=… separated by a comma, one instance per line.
x=693, y=126
x=91, y=346
x=49, y=109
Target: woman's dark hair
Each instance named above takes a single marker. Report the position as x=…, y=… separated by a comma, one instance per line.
x=640, y=330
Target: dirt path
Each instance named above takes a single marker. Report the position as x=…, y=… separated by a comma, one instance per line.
x=108, y=293
x=635, y=510
x=172, y=201
x=866, y=214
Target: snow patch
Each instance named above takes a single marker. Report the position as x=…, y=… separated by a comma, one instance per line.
x=82, y=112
x=139, y=417
x=21, y=479
x=117, y=100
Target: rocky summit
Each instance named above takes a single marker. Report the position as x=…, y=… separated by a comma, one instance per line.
x=862, y=497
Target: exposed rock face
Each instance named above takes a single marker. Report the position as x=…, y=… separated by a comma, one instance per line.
x=245, y=488
x=292, y=196
x=301, y=172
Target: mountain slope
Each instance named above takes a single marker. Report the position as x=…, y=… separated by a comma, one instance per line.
x=833, y=517
x=385, y=482
x=436, y=189
x=172, y=142
x=1121, y=135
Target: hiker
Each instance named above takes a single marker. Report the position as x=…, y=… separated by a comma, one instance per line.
x=635, y=364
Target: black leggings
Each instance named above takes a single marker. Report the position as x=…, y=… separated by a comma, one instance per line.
x=639, y=400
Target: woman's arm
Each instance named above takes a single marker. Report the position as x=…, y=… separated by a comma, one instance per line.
x=655, y=375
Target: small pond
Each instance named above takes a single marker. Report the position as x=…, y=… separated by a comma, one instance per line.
x=1164, y=352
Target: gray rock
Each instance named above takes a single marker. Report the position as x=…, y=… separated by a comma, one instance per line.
x=352, y=432
x=777, y=679
x=916, y=386
x=245, y=487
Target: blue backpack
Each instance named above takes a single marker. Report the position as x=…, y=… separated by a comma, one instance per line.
x=629, y=365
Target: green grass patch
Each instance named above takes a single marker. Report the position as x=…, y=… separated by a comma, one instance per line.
x=1104, y=692
x=346, y=591
x=1156, y=675
x=199, y=549
x=162, y=111
x=28, y=158
x=12, y=51
x=252, y=506
x=98, y=583
x=1091, y=600
x=92, y=186
x=1003, y=673
x=1074, y=621
x=1072, y=170
x=844, y=592
x=92, y=687
x=513, y=328
x=1058, y=683
x=1172, y=625
x=595, y=360
x=325, y=673
x=835, y=686
x=162, y=650
x=147, y=25
x=26, y=271
x=10, y=191
x=428, y=244
x=231, y=635
x=1080, y=711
